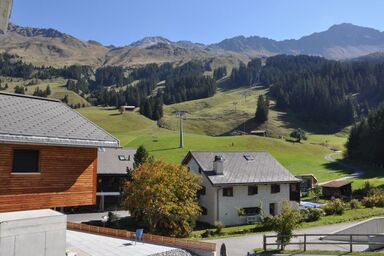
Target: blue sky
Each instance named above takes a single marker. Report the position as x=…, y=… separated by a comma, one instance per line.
x=121, y=22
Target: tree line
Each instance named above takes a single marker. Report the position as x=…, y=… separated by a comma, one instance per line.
x=365, y=141
x=317, y=89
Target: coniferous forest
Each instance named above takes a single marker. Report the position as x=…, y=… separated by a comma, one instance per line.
x=365, y=142
x=317, y=89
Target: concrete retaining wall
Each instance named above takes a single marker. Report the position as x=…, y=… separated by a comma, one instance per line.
x=33, y=233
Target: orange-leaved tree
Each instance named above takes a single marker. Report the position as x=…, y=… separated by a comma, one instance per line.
x=163, y=198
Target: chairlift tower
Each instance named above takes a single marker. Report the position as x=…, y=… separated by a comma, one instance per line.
x=181, y=115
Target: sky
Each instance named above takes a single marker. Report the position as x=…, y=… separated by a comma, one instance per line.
x=120, y=22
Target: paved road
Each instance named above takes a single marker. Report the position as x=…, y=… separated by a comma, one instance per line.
x=239, y=246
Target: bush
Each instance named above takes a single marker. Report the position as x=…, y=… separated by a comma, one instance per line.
x=219, y=227
x=335, y=207
x=314, y=214
x=207, y=233
x=355, y=204
x=311, y=214
x=374, y=199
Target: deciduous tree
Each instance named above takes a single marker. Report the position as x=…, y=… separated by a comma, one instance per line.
x=163, y=197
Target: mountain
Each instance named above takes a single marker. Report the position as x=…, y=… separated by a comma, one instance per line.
x=52, y=47
x=372, y=57
x=341, y=41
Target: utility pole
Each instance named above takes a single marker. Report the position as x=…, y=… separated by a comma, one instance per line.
x=235, y=104
x=181, y=114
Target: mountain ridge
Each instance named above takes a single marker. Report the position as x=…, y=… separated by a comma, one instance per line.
x=47, y=46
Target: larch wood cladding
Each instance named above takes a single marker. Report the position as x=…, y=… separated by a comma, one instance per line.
x=67, y=177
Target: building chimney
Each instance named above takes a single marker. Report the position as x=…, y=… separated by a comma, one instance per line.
x=218, y=165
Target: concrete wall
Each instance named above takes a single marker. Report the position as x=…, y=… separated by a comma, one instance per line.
x=33, y=233
x=228, y=210
x=370, y=226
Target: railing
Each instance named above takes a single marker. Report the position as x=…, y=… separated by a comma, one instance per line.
x=155, y=239
x=350, y=240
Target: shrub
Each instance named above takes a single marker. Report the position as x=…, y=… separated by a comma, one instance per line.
x=219, y=227
x=207, y=233
x=374, y=199
x=285, y=223
x=335, y=207
x=355, y=204
x=311, y=214
x=314, y=214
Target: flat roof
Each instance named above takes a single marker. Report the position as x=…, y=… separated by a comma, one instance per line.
x=22, y=215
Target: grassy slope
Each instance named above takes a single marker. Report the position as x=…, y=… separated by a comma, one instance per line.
x=134, y=130
x=57, y=88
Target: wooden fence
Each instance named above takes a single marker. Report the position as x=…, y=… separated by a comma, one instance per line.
x=154, y=239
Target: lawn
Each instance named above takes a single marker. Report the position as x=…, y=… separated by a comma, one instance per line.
x=348, y=216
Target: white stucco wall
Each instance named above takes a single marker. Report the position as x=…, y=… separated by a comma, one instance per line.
x=209, y=199
x=33, y=233
x=229, y=206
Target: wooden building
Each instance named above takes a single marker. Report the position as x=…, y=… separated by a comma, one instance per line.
x=48, y=154
x=337, y=189
x=308, y=182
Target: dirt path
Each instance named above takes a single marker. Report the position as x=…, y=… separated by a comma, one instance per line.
x=356, y=171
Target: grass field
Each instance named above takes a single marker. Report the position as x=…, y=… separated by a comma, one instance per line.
x=133, y=130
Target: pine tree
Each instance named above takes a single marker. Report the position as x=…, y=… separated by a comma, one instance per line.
x=262, y=109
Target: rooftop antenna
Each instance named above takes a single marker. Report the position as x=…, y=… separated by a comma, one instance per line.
x=181, y=114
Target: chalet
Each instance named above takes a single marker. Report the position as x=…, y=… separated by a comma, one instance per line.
x=239, y=186
x=48, y=159
x=112, y=167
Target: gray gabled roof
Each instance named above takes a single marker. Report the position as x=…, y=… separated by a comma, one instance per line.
x=115, y=160
x=238, y=170
x=35, y=120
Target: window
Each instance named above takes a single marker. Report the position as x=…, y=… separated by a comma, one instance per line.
x=202, y=191
x=204, y=211
x=228, y=191
x=252, y=190
x=251, y=211
x=275, y=188
x=25, y=161
x=272, y=209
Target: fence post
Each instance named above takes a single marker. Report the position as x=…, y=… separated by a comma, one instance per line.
x=305, y=242
x=350, y=243
x=264, y=243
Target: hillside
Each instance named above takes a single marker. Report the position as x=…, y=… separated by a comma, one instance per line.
x=57, y=86
x=50, y=47
x=134, y=130
x=341, y=41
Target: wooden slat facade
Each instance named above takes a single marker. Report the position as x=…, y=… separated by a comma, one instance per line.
x=67, y=177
